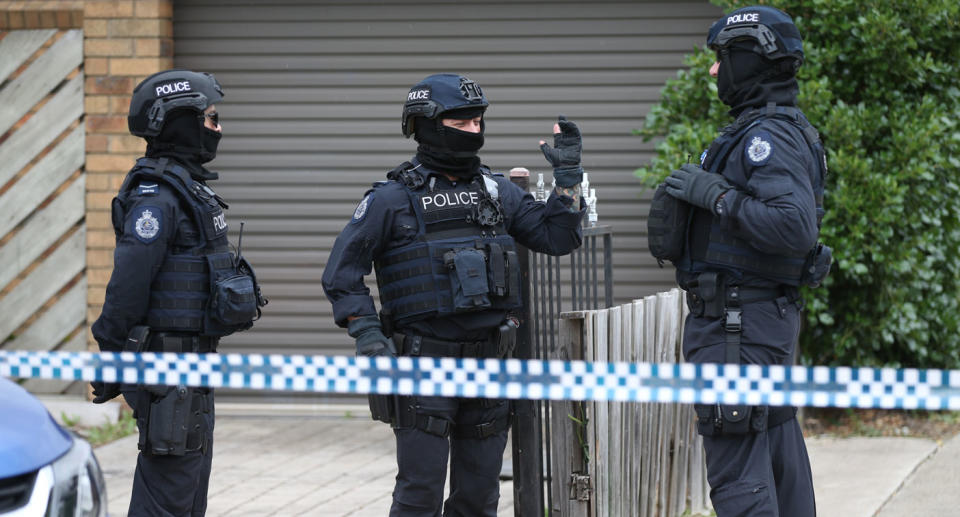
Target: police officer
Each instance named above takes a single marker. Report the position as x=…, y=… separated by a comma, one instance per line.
x=442, y=233
x=756, y=204
x=176, y=286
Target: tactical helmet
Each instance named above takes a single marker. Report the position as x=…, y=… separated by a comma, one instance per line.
x=437, y=94
x=772, y=30
x=163, y=92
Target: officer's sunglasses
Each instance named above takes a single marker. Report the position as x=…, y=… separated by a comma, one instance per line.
x=213, y=116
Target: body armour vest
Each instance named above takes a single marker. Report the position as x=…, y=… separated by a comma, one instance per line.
x=710, y=248
x=461, y=260
x=187, y=294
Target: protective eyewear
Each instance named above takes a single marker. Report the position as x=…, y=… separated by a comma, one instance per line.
x=213, y=116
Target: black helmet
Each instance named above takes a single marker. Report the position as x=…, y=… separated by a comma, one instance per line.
x=440, y=93
x=163, y=92
x=773, y=31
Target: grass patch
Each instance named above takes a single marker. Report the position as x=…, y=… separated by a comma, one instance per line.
x=936, y=425
x=105, y=432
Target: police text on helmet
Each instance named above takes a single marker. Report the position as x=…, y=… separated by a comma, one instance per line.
x=744, y=18
x=418, y=95
x=167, y=89
x=443, y=199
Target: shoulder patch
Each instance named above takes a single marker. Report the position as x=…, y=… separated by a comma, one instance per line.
x=758, y=148
x=148, y=189
x=147, y=221
x=361, y=210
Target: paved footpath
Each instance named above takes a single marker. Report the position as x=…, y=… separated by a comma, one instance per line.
x=329, y=464
x=933, y=490
x=286, y=466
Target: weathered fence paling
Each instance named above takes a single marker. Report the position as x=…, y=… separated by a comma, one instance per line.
x=548, y=293
x=43, y=288
x=642, y=460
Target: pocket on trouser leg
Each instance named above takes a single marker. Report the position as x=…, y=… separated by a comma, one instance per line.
x=745, y=498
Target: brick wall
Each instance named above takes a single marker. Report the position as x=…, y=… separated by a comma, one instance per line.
x=124, y=42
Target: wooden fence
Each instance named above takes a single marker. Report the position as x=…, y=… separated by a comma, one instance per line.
x=43, y=291
x=626, y=459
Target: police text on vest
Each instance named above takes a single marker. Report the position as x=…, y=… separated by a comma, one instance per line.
x=220, y=222
x=444, y=199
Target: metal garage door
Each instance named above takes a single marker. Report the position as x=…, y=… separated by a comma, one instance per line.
x=312, y=117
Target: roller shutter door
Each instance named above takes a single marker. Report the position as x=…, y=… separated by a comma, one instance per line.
x=312, y=117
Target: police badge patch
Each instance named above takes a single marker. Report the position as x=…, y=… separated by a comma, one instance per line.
x=759, y=148
x=147, y=224
x=361, y=210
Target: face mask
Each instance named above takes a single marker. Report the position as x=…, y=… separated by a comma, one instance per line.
x=209, y=140
x=462, y=142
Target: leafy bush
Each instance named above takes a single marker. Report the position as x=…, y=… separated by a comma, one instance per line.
x=880, y=82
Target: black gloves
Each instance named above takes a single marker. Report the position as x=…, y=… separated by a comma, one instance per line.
x=697, y=186
x=565, y=157
x=370, y=339
x=104, y=391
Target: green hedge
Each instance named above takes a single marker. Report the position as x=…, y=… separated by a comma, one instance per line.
x=882, y=84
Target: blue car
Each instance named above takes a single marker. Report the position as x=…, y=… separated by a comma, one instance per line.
x=45, y=470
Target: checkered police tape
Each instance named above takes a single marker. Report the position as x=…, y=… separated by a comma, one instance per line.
x=513, y=378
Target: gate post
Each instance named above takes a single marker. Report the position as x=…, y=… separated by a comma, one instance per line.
x=527, y=454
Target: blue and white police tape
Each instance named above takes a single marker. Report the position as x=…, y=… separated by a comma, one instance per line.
x=512, y=378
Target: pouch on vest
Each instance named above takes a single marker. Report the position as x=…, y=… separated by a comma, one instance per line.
x=235, y=301
x=817, y=265
x=468, y=279
x=667, y=225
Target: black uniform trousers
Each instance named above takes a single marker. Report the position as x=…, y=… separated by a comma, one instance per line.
x=172, y=486
x=474, y=462
x=758, y=474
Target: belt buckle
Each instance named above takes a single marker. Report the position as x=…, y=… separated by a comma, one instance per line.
x=732, y=322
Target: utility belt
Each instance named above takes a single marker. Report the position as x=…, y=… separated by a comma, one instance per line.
x=725, y=419
x=417, y=346
x=709, y=296
x=142, y=339
x=182, y=344
x=499, y=345
x=401, y=413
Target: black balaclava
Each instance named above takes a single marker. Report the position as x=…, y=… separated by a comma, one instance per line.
x=449, y=150
x=185, y=138
x=746, y=79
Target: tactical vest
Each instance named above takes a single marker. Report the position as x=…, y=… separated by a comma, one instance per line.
x=462, y=259
x=192, y=292
x=710, y=248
